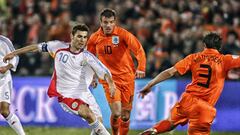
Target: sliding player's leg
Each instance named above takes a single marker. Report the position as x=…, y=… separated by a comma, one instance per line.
x=176, y=118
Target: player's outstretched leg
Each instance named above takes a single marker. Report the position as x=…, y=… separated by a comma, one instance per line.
x=161, y=127
x=11, y=118
x=86, y=113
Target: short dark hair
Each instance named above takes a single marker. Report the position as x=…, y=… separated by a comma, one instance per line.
x=79, y=27
x=107, y=12
x=213, y=40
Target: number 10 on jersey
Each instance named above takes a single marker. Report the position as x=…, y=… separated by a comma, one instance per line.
x=63, y=57
x=108, y=49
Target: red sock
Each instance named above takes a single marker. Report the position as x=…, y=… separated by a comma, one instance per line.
x=163, y=126
x=114, y=125
x=124, y=127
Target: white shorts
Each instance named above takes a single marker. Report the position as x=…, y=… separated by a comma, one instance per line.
x=87, y=98
x=5, y=91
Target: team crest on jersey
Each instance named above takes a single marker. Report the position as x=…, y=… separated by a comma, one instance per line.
x=115, y=40
x=74, y=105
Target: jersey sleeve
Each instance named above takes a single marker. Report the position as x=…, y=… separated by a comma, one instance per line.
x=91, y=45
x=184, y=65
x=137, y=49
x=8, y=49
x=231, y=61
x=51, y=47
x=100, y=69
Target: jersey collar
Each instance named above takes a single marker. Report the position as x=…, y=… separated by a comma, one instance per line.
x=68, y=49
x=208, y=50
x=115, y=31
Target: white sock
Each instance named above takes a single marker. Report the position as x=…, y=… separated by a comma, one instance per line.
x=15, y=124
x=93, y=133
x=98, y=128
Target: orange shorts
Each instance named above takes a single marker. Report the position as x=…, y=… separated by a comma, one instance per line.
x=124, y=93
x=199, y=113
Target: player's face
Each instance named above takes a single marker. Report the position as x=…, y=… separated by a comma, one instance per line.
x=107, y=24
x=79, y=40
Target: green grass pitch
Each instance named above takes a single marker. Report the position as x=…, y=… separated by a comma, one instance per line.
x=80, y=131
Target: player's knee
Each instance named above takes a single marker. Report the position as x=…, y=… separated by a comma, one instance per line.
x=116, y=114
x=86, y=113
x=4, y=112
x=125, y=116
x=90, y=117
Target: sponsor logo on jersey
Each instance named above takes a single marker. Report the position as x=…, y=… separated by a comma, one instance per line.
x=115, y=40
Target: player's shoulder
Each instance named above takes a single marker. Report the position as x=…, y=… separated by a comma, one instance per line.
x=5, y=40
x=193, y=55
x=230, y=56
x=58, y=43
x=121, y=30
x=87, y=53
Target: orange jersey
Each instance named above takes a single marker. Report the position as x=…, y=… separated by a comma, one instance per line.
x=115, y=50
x=209, y=69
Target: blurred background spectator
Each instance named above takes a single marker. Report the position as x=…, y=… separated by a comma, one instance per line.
x=168, y=30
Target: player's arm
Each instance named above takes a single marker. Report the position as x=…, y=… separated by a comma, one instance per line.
x=101, y=71
x=111, y=84
x=12, y=64
x=164, y=75
x=138, y=51
x=94, y=82
x=180, y=67
x=30, y=48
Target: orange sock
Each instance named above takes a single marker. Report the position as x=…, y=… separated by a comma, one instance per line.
x=163, y=126
x=124, y=127
x=114, y=125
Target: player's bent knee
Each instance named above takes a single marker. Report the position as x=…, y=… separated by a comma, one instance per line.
x=85, y=112
x=116, y=113
x=125, y=116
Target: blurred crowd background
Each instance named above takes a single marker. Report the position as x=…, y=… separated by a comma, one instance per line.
x=168, y=29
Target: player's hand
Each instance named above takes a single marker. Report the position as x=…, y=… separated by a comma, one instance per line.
x=143, y=92
x=8, y=57
x=3, y=69
x=94, y=83
x=139, y=74
x=112, y=89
